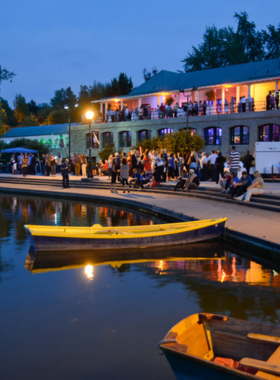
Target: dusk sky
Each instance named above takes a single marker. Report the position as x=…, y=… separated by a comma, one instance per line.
x=57, y=43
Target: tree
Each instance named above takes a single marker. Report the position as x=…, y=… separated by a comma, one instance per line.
x=33, y=108
x=6, y=114
x=105, y=153
x=177, y=142
x=28, y=144
x=21, y=108
x=149, y=74
x=63, y=97
x=271, y=40
x=223, y=47
x=57, y=117
x=6, y=75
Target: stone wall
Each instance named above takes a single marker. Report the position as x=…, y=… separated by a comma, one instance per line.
x=253, y=120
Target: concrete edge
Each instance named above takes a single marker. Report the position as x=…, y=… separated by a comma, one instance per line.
x=267, y=252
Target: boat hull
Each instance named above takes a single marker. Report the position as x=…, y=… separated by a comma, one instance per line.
x=55, y=243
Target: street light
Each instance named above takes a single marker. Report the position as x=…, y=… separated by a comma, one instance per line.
x=187, y=96
x=66, y=107
x=89, y=117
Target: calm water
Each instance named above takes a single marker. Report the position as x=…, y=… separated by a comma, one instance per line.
x=94, y=321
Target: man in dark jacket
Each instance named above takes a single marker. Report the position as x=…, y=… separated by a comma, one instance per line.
x=33, y=165
x=65, y=174
x=241, y=187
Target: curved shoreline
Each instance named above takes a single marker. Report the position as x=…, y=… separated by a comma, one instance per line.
x=266, y=251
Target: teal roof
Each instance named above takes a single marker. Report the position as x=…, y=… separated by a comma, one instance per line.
x=245, y=72
x=57, y=129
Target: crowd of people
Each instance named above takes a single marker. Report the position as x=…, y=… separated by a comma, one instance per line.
x=151, y=168
x=191, y=108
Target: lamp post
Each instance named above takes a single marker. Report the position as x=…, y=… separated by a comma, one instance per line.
x=89, y=117
x=187, y=96
x=66, y=107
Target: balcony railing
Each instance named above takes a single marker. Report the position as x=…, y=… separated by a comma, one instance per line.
x=190, y=110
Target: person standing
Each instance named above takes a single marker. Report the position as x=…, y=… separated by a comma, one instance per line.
x=77, y=162
x=20, y=158
x=115, y=172
x=84, y=165
x=25, y=165
x=204, y=106
x=124, y=173
x=65, y=174
x=147, y=161
x=58, y=162
x=248, y=159
x=33, y=164
x=220, y=161
x=212, y=158
x=277, y=100
x=53, y=165
x=43, y=164
x=232, y=104
x=234, y=160
x=243, y=104
x=268, y=97
x=48, y=165
x=133, y=160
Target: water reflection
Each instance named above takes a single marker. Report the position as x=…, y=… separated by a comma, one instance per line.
x=97, y=313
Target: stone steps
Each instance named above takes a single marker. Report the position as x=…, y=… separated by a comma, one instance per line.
x=264, y=202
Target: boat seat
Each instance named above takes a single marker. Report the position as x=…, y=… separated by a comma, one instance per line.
x=266, y=370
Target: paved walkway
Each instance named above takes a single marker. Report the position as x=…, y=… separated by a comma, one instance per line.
x=254, y=222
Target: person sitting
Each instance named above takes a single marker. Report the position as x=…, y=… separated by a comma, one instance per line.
x=256, y=188
x=182, y=181
x=156, y=180
x=192, y=182
x=136, y=178
x=234, y=180
x=146, y=178
x=241, y=187
x=100, y=167
x=225, y=182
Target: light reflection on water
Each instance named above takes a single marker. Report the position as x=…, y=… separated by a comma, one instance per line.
x=103, y=320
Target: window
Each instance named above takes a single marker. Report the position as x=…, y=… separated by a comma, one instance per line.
x=61, y=142
x=192, y=130
x=213, y=136
x=239, y=135
x=108, y=138
x=56, y=143
x=95, y=140
x=49, y=143
x=43, y=141
x=269, y=132
x=144, y=135
x=67, y=141
x=125, y=139
x=164, y=132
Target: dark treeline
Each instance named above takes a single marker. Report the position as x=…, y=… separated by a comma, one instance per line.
x=227, y=46
x=32, y=114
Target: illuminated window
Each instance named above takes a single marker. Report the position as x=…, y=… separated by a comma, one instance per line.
x=143, y=135
x=42, y=141
x=165, y=131
x=125, y=139
x=239, y=135
x=49, y=143
x=269, y=132
x=108, y=138
x=192, y=130
x=213, y=136
x=61, y=142
x=67, y=141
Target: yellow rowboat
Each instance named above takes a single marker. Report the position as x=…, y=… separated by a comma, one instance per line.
x=54, y=238
x=210, y=346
